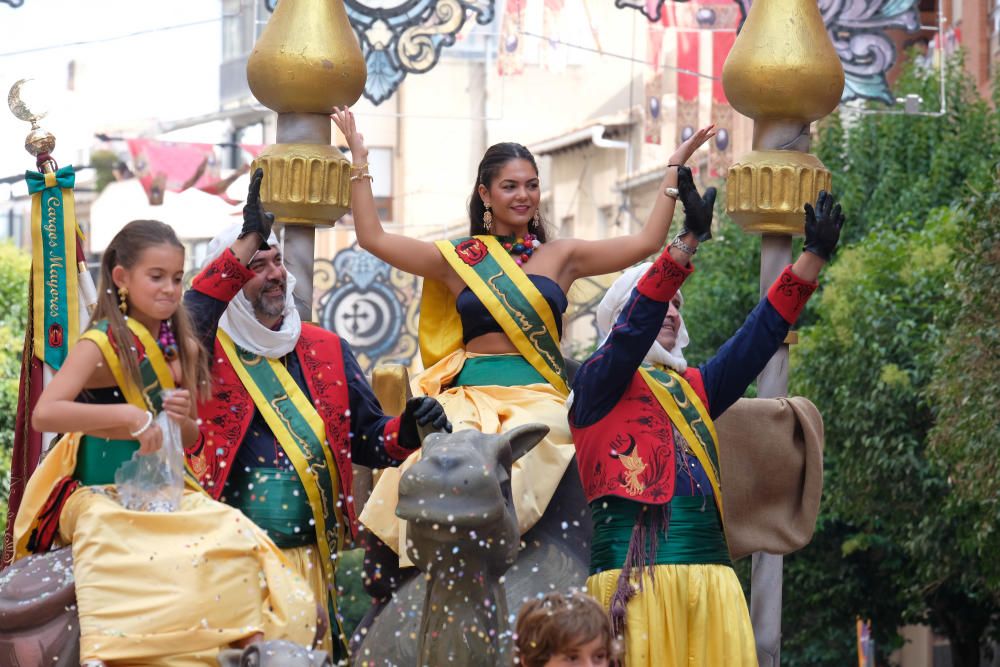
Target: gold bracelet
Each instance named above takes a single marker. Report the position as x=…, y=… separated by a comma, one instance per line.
x=359, y=167
x=362, y=176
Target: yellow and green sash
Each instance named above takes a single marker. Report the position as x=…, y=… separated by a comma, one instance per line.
x=507, y=292
x=690, y=416
x=301, y=433
x=153, y=371
x=56, y=316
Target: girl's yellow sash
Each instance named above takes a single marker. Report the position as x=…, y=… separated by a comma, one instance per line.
x=507, y=292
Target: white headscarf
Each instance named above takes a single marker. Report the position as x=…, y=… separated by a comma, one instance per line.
x=611, y=307
x=239, y=320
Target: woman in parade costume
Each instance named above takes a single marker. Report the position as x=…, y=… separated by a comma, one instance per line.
x=153, y=588
x=648, y=454
x=491, y=311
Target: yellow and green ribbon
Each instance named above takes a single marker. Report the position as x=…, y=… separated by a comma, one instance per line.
x=690, y=416
x=513, y=300
x=301, y=433
x=56, y=316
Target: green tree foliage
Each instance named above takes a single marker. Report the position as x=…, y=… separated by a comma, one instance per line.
x=890, y=168
x=965, y=388
x=14, y=271
x=902, y=363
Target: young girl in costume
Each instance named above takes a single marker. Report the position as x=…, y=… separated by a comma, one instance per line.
x=559, y=630
x=164, y=588
x=491, y=312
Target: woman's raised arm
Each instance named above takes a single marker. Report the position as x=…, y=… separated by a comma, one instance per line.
x=592, y=258
x=420, y=258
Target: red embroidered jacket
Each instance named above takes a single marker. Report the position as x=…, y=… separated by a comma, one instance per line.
x=356, y=428
x=623, y=437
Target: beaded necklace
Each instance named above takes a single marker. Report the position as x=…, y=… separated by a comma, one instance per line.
x=167, y=341
x=520, y=248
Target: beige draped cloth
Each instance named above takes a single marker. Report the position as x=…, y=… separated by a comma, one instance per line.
x=772, y=473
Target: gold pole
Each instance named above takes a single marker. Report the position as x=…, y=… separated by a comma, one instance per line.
x=305, y=62
x=784, y=73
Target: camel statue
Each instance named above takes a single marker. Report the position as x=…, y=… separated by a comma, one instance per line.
x=464, y=537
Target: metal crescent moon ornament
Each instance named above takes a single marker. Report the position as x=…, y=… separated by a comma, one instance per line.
x=19, y=108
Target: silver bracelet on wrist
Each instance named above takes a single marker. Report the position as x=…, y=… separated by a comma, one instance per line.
x=672, y=192
x=683, y=247
x=144, y=427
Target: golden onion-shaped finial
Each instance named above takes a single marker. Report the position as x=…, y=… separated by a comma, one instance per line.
x=307, y=60
x=783, y=64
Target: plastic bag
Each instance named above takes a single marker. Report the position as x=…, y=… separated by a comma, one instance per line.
x=154, y=482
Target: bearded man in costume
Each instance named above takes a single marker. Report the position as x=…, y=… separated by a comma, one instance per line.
x=290, y=407
x=648, y=453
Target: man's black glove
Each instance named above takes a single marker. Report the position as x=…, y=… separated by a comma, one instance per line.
x=697, y=209
x=823, y=226
x=255, y=219
x=421, y=411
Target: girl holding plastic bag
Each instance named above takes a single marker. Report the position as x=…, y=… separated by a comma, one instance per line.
x=175, y=585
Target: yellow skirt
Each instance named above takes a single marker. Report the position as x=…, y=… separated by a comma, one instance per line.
x=686, y=616
x=168, y=589
x=490, y=409
x=306, y=563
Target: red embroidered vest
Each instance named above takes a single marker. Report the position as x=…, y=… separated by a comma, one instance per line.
x=629, y=453
x=226, y=417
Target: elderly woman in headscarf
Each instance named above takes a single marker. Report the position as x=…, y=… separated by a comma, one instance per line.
x=648, y=453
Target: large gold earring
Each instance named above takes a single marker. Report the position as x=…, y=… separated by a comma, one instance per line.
x=536, y=221
x=122, y=296
x=488, y=219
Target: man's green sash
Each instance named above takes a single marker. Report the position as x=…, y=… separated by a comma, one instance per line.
x=301, y=433
x=516, y=304
x=690, y=416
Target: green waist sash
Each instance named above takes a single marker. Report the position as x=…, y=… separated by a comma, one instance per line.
x=276, y=501
x=505, y=370
x=693, y=537
x=98, y=458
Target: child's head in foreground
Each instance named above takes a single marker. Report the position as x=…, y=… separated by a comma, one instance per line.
x=558, y=630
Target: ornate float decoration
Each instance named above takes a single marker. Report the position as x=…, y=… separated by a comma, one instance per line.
x=400, y=37
x=858, y=33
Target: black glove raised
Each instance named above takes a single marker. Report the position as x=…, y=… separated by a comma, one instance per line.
x=697, y=209
x=255, y=219
x=823, y=226
x=421, y=411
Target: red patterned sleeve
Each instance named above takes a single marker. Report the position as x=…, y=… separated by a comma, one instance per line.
x=390, y=435
x=662, y=280
x=789, y=294
x=222, y=278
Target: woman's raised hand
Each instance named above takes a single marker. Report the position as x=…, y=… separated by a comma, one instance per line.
x=693, y=143
x=344, y=120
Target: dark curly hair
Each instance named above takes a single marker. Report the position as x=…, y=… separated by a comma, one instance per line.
x=494, y=159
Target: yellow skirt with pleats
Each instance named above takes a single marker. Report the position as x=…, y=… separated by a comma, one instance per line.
x=490, y=409
x=685, y=616
x=168, y=589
